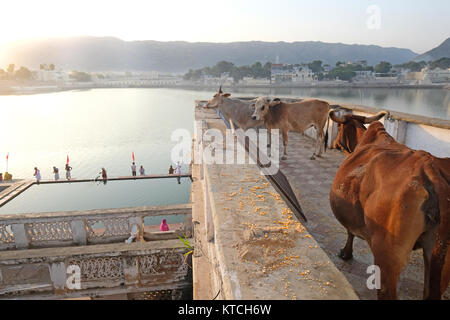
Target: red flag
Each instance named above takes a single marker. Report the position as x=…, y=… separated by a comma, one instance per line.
x=67, y=159
x=7, y=156
x=132, y=155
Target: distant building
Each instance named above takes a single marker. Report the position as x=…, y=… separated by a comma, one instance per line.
x=364, y=76
x=437, y=75
x=289, y=73
x=326, y=68
x=249, y=81
x=425, y=76
x=51, y=75
x=362, y=63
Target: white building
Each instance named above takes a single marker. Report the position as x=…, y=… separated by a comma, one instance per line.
x=288, y=73
x=426, y=76
x=51, y=75
x=362, y=76
x=249, y=81
x=437, y=75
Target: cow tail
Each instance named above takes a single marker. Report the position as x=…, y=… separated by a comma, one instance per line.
x=326, y=134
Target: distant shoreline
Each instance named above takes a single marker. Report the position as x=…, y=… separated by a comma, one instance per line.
x=28, y=90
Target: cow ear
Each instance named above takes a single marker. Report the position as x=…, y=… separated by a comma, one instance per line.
x=226, y=95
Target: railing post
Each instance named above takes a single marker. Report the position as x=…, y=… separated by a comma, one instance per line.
x=139, y=221
x=20, y=236
x=58, y=275
x=79, y=233
x=396, y=128
x=131, y=271
x=188, y=225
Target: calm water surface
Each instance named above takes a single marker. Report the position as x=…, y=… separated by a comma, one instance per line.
x=427, y=102
x=102, y=127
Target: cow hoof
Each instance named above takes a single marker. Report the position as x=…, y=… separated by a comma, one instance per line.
x=313, y=157
x=345, y=256
x=284, y=157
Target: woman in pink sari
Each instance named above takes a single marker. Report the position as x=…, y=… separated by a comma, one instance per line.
x=164, y=226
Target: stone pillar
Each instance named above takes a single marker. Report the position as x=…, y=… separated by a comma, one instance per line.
x=58, y=276
x=131, y=271
x=188, y=225
x=139, y=221
x=20, y=236
x=79, y=233
x=396, y=128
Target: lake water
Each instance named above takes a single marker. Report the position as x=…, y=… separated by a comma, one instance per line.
x=433, y=103
x=102, y=127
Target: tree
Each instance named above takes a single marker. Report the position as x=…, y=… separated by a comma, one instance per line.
x=316, y=66
x=193, y=75
x=10, y=68
x=23, y=74
x=412, y=66
x=383, y=67
x=80, y=76
x=443, y=63
x=257, y=70
x=341, y=73
x=222, y=67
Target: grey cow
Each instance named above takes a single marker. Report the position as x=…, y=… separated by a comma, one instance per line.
x=237, y=112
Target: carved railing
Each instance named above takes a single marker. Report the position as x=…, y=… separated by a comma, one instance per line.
x=95, y=271
x=56, y=229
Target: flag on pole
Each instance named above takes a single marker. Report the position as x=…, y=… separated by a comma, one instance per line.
x=67, y=159
x=7, y=156
x=132, y=154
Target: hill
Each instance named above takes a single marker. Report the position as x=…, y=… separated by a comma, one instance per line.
x=441, y=51
x=112, y=54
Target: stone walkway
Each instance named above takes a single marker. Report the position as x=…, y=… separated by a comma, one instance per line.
x=311, y=181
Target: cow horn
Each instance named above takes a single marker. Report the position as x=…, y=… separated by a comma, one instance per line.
x=220, y=89
x=335, y=118
x=376, y=117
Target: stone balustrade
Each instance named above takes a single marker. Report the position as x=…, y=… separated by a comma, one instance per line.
x=56, y=229
x=98, y=271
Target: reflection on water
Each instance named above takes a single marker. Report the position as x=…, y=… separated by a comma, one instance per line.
x=427, y=102
x=92, y=195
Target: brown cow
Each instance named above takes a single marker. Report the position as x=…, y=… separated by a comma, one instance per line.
x=296, y=116
x=236, y=111
x=395, y=198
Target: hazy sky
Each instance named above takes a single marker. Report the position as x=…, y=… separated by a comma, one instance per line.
x=415, y=24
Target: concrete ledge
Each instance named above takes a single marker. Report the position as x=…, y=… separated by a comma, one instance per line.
x=143, y=210
x=111, y=249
